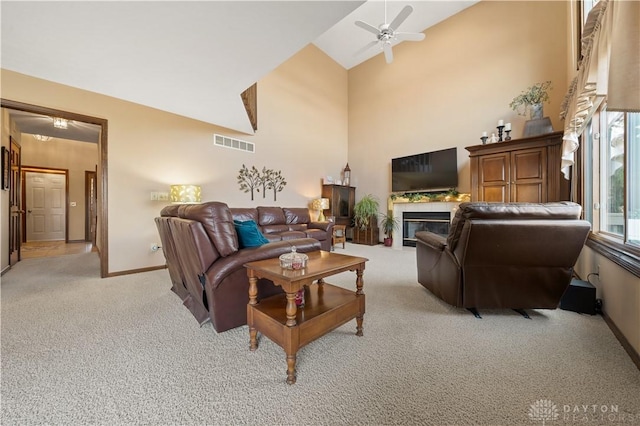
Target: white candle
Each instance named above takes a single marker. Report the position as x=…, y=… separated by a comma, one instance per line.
x=484, y=134
x=507, y=126
x=500, y=122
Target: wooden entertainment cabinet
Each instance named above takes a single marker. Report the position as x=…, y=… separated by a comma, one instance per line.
x=519, y=170
x=342, y=199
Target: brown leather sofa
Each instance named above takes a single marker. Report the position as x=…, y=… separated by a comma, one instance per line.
x=205, y=260
x=288, y=223
x=503, y=255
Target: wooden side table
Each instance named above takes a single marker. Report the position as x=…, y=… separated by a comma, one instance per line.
x=326, y=306
x=339, y=235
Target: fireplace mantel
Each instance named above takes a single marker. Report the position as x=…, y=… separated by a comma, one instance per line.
x=401, y=207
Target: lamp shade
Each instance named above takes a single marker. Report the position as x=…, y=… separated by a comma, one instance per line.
x=185, y=194
x=320, y=204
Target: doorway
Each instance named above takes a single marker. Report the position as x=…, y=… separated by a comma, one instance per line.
x=16, y=213
x=91, y=206
x=45, y=201
x=101, y=237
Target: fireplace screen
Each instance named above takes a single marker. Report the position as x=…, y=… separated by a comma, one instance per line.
x=412, y=222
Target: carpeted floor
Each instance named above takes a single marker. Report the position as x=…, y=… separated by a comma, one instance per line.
x=77, y=349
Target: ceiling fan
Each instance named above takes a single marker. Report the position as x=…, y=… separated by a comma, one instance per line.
x=386, y=33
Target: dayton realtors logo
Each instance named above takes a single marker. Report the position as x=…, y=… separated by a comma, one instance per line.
x=545, y=410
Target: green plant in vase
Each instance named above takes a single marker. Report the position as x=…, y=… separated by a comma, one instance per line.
x=365, y=220
x=389, y=224
x=531, y=100
x=364, y=210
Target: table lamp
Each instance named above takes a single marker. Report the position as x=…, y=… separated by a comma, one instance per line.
x=320, y=204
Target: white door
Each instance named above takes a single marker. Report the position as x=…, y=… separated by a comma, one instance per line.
x=46, y=206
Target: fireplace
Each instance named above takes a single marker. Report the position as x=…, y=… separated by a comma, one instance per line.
x=412, y=222
x=442, y=209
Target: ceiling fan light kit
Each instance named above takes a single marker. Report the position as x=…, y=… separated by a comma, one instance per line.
x=386, y=33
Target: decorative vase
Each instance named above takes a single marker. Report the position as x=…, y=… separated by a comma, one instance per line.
x=535, y=111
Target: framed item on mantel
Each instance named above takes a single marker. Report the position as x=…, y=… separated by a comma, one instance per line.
x=5, y=168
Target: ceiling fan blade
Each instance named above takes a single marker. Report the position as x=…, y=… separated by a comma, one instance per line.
x=368, y=27
x=388, y=53
x=410, y=36
x=404, y=14
x=365, y=48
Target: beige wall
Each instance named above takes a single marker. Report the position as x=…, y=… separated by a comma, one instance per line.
x=619, y=290
x=302, y=132
x=74, y=156
x=446, y=90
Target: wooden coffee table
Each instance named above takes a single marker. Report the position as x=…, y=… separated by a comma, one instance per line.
x=326, y=306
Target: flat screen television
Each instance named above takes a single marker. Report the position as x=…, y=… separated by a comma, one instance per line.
x=429, y=171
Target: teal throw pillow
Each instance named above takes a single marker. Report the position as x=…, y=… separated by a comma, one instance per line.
x=248, y=234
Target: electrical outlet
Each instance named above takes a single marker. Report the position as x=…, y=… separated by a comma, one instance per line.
x=159, y=196
x=155, y=247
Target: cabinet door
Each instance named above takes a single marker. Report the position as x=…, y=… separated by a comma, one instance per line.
x=342, y=200
x=529, y=175
x=493, y=182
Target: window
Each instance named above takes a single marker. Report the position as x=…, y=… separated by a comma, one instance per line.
x=611, y=193
x=633, y=179
x=612, y=175
x=586, y=6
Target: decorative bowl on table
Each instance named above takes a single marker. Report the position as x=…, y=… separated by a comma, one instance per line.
x=293, y=260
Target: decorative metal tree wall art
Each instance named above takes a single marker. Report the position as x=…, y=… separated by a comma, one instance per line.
x=276, y=182
x=252, y=180
x=249, y=179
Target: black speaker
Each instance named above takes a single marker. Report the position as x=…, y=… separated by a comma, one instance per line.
x=579, y=297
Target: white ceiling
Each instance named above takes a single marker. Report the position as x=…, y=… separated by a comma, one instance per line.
x=192, y=59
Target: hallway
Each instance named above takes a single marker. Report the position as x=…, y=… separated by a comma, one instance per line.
x=36, y=249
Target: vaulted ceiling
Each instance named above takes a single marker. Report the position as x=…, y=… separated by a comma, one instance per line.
x=190, y=58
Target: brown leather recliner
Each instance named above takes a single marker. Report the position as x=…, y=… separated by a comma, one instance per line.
x=503, y=255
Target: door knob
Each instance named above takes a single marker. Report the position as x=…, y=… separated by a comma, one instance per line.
x=28, y=211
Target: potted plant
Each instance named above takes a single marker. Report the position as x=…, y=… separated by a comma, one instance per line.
x=531, y=100
x=389, y=224
x=365, y=220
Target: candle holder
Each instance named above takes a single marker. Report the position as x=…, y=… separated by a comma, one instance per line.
x=500, y=128
x=484, y=139
x=508, y=137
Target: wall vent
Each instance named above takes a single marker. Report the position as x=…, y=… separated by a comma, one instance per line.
x=227, y=142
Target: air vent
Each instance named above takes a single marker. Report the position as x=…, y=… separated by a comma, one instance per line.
x=232, y=143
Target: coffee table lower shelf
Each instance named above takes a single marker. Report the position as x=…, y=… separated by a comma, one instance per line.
x=327, y=307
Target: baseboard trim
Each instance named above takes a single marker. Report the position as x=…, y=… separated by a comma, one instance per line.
x=5, y=270
x=135, y=271
x=635, y=357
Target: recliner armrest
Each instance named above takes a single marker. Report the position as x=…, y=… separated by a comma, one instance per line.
x=435, y=241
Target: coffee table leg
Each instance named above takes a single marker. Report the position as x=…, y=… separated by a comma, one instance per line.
x=359, y=281
x=291, y=369
x=253, y=338
x=253, y=300
x=359, y=292
x=359, y=328
x=291, y=309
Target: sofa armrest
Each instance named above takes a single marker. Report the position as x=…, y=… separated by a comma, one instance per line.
x=435, y=241
x=325, y=226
